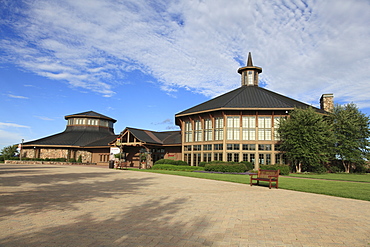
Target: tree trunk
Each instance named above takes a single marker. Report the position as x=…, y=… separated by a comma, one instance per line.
x=346, y=166
x=298, y=167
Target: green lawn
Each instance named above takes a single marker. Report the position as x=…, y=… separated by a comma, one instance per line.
x=336, y=176
x=354, y=190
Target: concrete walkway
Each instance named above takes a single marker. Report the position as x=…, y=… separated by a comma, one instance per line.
x=45, y=205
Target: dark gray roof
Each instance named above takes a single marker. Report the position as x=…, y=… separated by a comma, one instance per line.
x=90, y=114
x=156, y=137
x=245, y=98
x=81, y=137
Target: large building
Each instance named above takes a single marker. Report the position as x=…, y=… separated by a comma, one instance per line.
x=87, y=136
x=240, y=125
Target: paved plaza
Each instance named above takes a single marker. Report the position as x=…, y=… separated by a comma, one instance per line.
x=50, y=205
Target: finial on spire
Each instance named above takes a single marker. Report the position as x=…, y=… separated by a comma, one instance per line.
x=249, y=63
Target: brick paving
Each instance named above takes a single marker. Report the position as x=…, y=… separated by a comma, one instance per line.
x=50, y=205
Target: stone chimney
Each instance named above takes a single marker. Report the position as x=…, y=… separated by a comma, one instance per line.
x=327, y=102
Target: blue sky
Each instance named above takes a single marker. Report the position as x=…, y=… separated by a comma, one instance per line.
x=141, y=62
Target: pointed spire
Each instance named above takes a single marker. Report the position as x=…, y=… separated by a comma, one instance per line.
x=249, y=63
x=250, y=73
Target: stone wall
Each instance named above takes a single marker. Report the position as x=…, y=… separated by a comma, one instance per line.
x=85, y=155
x=45, y=162
x=53, y=153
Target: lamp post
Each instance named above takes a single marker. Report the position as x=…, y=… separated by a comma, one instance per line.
x=20, y=150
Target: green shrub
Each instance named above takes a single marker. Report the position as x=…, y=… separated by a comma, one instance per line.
x=202, y=164
x=249, y=165
x=72, y=160
x=176, y=167
x=171, y=162
x=284, y=170
x=360, y=168
x=79, y=159
x=319, y=169
x=335, y=169
x=59, y=159
x=225, y=167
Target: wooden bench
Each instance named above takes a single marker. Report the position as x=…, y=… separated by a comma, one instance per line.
x=271, y=176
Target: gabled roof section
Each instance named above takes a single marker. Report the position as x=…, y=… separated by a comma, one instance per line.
x=247, y=98
x=155, y=137
x=90, y=114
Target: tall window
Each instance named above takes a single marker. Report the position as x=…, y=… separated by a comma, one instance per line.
x=198, y=131
x=233, y=130
x=249, y=128
x=276, y=127
x=219, y=128
x=261, y=159
x=207, y=157
x=252, y=158
x=187, y=158
x=245, y=157
x=233, y=157
x=196, y=159
x=250, y=78
x=264, y=128
x=218, y=156
x=188, y=132
x=207, y=129
x=277, y=158
x=268, y=159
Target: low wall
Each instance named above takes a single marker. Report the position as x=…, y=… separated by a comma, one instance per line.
x=45, y=162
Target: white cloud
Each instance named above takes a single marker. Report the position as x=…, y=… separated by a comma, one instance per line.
x=44, y=118
x=12, y=125
x=17, y=96
x=305, y=48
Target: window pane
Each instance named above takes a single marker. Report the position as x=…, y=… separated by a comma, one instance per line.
x=252, y=122
x=268, y=134
x=252, y=135
x=261, y=134
x=261, y=122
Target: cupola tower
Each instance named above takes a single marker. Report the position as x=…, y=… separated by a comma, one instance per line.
x=249, y=73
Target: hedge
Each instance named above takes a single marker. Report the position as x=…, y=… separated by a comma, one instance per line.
x=249, y=165
x=171, y=162
x=284, y=170
x=176, y=167
x=225, y=167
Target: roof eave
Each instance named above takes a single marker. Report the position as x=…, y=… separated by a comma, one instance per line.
x=237, y=109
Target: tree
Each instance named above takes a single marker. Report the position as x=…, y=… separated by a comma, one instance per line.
x=9, y=151
x=306, y=138
x=352, y=133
